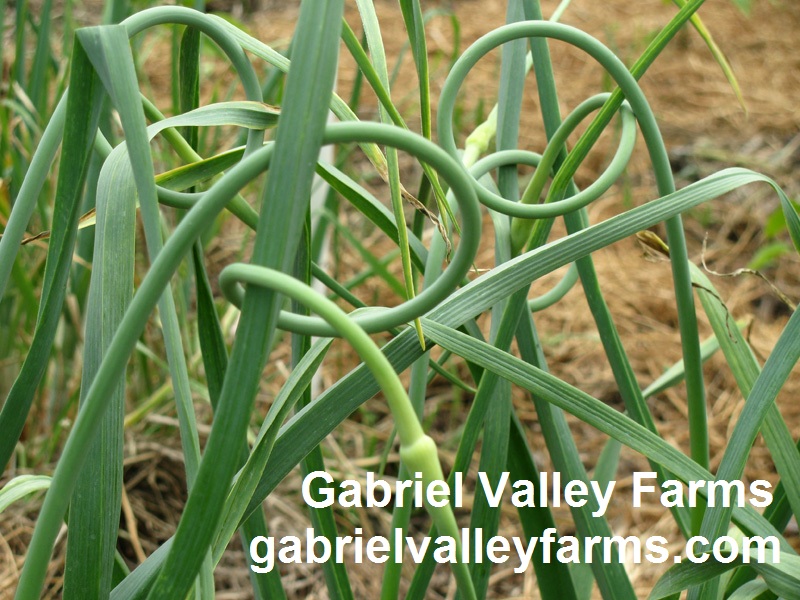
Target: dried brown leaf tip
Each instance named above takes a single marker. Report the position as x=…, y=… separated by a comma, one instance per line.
x=655, y=249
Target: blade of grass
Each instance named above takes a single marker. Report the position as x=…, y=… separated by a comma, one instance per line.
x=370, y=73
x=21, y=16
x=95, y=507
x=83, y=108
x=215, y=361
x=78, y=141
x=684, y=574
x=591, y=411
x=324, y=523
x=138, y=584
x=494, y=451
x=611, y=577
x=716, y=52
x=747, y=371
x=634, y=400
x=250, y=474
x=778, y=514
x=681, y=277
x=552, y=578
x=792, y=220
x=3, y=4
x=415, y=26
x=109, y=50
x=115, y=12
x=322, y=518
x=759, y=404
x=21, y=486
x=195, y=173
x=753, y=589
x=42, y=59
x=782, y=576
x=412, y=16
x=285, y=200
x=372, y=32
x=188, y=81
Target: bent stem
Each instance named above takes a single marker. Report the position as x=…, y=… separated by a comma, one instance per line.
x=417, y=450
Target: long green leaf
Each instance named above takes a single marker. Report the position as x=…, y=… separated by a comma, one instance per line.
x=591, y=411
x=611, y=578
x=746, y=370
x=42, y=58
x=781, y=576
x=792, y=220
x=367, y=70
x=372, y=33
x=285, y=200
x=189, y=80
x=494, y=452
x=412, y=16
x=83, y=108
x=716, y=52
x=250, y=474
x=83, y=112
x=553, y=578
x=95, y=508
x=20, y=487
x=323, y=519
x=109, y=50
x=215, y=361
x=685, y=574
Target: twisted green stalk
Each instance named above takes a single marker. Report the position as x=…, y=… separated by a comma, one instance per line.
x=595, y=49
x=161, y=15
x=197, y=220
x=417, y=450
x=523, y=157
x=545, y=165
x=521, y=230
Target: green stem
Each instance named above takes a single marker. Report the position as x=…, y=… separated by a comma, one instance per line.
x=417, y=449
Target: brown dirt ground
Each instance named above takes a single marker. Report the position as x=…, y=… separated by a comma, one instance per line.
x=705, y=129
